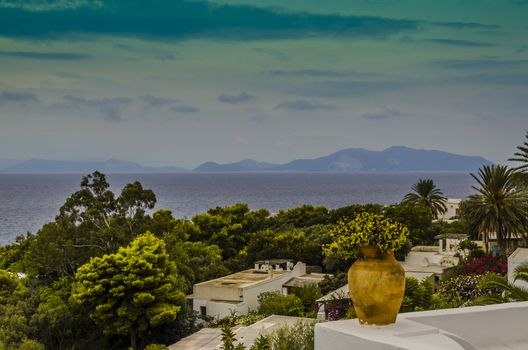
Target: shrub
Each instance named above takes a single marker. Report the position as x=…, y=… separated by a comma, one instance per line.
x=300, y=336
x=366, y=229
x=459, y=290
x=488, y=263
x=308, y=295
x=418, y=295
x=155, y=347
x=278, y=304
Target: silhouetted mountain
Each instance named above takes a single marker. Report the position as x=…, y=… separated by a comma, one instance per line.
x=243, y=165
x=107, y=167
x=397, y=158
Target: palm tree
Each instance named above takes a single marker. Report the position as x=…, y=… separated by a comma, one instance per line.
x=509, y=291
x=500, y=206
x=522, y=156
x=427, y=194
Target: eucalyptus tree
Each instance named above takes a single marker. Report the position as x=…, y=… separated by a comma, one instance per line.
x=499, y=208
x=426, y=193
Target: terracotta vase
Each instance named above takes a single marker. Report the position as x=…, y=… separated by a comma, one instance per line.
x=376, y=284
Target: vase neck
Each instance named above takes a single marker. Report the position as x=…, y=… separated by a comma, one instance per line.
x=373, y=252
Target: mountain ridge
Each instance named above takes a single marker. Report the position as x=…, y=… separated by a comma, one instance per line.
x=392, y=159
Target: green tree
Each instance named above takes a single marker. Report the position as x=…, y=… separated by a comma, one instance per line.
x=130, y=291
x=500, y=207
x=278, y=304
x=418, y=295
x=505, y=291
x=308, y=294
x=521, y=156
x=427, y=194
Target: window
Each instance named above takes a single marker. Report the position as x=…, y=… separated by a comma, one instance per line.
x=203, y=311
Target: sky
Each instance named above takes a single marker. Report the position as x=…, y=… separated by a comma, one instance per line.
x=172, y=82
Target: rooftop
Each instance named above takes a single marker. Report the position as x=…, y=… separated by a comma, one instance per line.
x=243, y=279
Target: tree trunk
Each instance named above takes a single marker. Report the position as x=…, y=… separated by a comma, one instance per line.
x=133, y=343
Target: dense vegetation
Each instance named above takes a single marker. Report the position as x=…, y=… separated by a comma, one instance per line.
x=110, y=273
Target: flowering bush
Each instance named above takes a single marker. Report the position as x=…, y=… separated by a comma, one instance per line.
x=485, y=264
x=460, y=290
x=366, y=229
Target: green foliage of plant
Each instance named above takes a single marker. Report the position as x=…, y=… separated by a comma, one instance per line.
x=425, y=193
x=248, y=319
x=333, y=282
x=500, y=206
x=415, y=216
x=308, y=294
x=300, y=336
x=418, y=295
x=458, y=291
x=503, y=291
x=132, y=290
x=262, y=343
x=366, y=229
x=278, y=304
x=155, y=347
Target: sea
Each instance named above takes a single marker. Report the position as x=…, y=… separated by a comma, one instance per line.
x=28, y=201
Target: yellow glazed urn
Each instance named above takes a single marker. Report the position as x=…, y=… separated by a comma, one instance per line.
x=376, y=284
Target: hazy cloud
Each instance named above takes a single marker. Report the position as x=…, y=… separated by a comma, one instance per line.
x=349, y=88
x=386, y=113
x=44, y=55
x=235, y=99
x=17, y=97
x=185, y=109
x=466, y=25
x=156, y=101
x=178, y=19
x=319, y=73
x=456, y=42
x=303, y=105
x=480, y=64
x=108, y=108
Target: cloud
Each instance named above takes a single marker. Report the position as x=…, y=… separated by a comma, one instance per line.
x=185, y=109
x=386, y=113
x=349, y=88
x=456, y=42
x=156, y=102
x=303, y=105
x=492, y=79
x=480, y=64
x=176, y=19
x=319, y=73
x=236, y=99
x=110, y=109
x=17, y=97
x=44, y=55
x=466, y=25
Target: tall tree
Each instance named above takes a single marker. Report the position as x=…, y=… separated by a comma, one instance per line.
x=500, y=207
x=522, y=156
x=427, y=194
x=132, y=290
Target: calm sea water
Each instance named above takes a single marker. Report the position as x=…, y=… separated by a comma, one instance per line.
x=29, y=201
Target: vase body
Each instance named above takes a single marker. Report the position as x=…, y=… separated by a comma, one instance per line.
x=376, y=284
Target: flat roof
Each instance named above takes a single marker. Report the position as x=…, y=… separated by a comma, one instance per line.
x=304, y=280
x=243, y=279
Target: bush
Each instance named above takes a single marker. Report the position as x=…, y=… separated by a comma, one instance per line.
x=458, y=291
x=308, y=295
x=278, y=304
x=331, y=283
x=300, y=336
x=485, y=264
x=155, y=347
x=418, y=295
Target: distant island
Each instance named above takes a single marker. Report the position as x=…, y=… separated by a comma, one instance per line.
x=393, y=159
